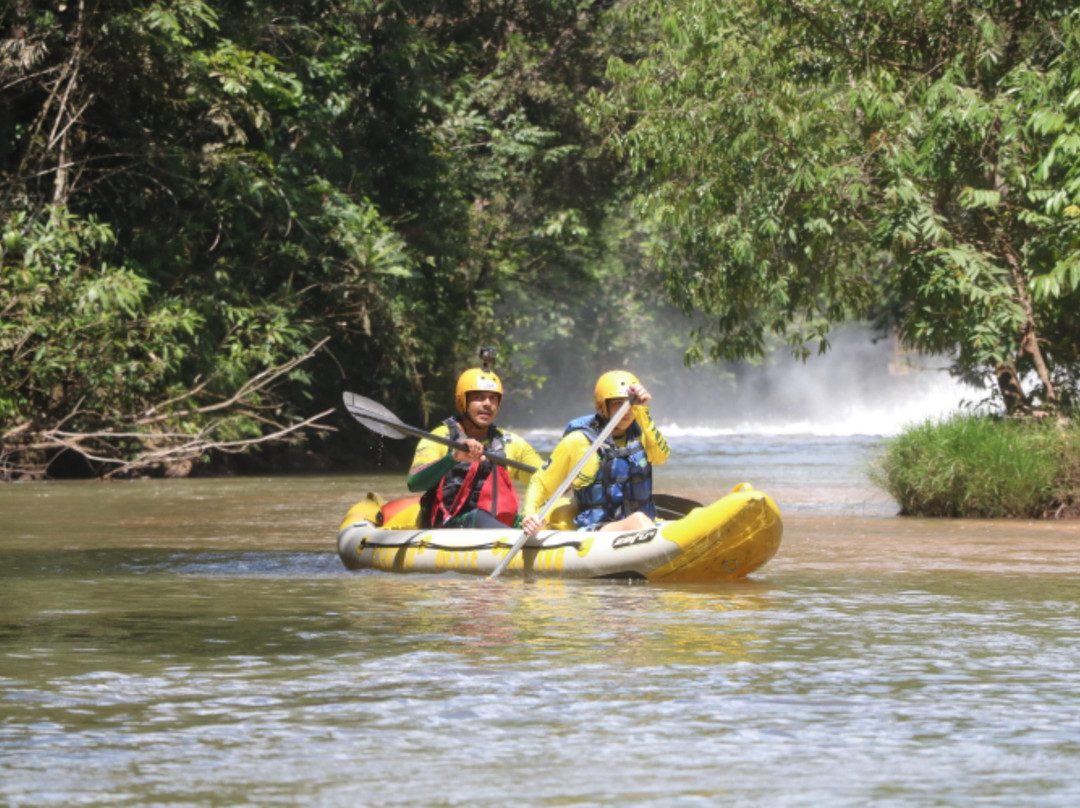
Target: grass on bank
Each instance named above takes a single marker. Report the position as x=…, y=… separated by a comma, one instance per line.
x=983, y=467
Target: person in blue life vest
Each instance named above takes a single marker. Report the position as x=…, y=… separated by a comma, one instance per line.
x=464, y=488
x=613, y=491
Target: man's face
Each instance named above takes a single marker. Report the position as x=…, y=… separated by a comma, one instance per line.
x=613, y=405
x=481, y=406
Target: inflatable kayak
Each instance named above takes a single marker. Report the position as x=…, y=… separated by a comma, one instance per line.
x=723, y=541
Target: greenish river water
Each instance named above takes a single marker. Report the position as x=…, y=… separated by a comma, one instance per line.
x=198, y=643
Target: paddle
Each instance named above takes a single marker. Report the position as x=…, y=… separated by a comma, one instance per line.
x=380, y=420
x=611, y=424
x=670, y=506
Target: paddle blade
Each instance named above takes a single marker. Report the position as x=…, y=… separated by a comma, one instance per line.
x=373, y=415
x=670, y=506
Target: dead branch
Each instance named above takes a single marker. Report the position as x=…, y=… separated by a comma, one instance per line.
x=185, y=446
x=199, y=447
x=255, y=384
x=23, y=444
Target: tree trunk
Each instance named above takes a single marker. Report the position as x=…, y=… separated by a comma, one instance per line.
x=1012, y=393
x=1029, y=341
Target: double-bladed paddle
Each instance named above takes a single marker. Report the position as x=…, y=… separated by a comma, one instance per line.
x=603, y=436
x=378, y=419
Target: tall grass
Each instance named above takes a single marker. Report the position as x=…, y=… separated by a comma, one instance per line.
x=982, y=467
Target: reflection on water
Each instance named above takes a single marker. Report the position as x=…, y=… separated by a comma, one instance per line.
x=199, y=643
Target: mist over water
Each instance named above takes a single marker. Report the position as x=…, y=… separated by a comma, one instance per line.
x=827, y=397
x=858, y=388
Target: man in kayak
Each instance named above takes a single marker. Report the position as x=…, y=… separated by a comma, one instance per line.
x=464, y=488
x=613, y=491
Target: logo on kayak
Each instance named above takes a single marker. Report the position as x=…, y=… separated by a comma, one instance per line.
x=630, y=539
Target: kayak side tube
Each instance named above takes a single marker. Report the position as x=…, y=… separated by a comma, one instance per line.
x=723, y=541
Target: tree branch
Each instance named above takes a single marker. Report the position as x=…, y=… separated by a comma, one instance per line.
x=105, y=447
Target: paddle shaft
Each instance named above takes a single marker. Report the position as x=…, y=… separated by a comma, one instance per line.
x=421, y=433
x=543, y=514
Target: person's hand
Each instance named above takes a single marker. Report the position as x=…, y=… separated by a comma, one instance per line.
x=639, y=394
x=532, y=524
x=474, y=454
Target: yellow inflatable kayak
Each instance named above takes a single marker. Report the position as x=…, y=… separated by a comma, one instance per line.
x=724, y=541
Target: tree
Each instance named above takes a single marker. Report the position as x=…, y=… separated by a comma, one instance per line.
x=910, y=164
x=196, y=196
x=114, y=346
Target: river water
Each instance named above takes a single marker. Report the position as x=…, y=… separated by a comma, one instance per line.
x=198, y=643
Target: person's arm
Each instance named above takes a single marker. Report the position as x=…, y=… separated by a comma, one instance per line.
x=430, y=463
x=562, y=461
x=539, y=490
x=519, y=449
x=656, y=447
x=547, y=479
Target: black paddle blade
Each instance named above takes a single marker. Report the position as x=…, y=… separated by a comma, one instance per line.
x=670, y=506
x=373, y=415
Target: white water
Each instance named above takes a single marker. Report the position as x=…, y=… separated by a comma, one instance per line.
x=841, y=412
x=809, y=442
x=930, y=395
x=858, y=389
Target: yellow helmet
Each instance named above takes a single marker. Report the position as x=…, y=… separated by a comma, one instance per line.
x=612, y=384
x=474, y=380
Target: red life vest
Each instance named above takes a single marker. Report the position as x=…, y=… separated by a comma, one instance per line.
x=471, y=486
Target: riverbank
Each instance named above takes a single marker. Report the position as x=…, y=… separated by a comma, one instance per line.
x=983, y=467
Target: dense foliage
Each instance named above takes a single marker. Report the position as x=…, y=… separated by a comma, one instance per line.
x=214, y=217
x=975, y=466
x=913, y=164
x=194, y=196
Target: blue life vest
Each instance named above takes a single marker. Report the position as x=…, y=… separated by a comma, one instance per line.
x=623, y=483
